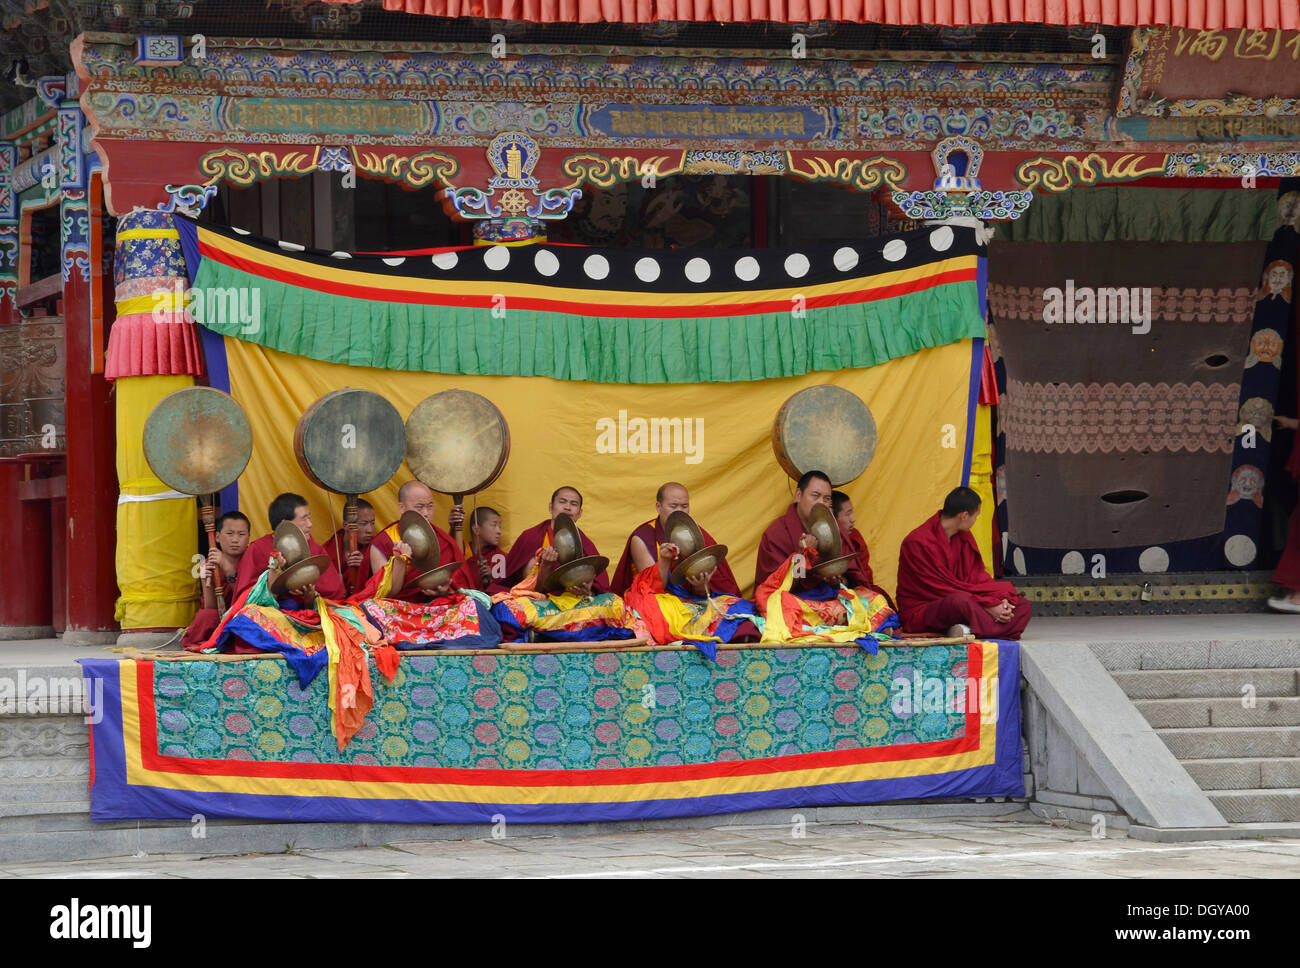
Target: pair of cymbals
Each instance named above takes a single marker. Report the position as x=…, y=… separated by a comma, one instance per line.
x=696, y=557
x=831, y=562
x=301, y=567
x=573, y=568
x=425, y=553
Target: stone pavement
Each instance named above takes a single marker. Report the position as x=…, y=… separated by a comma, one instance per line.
x=1019, y=846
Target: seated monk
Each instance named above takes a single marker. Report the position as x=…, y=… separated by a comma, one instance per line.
x=337, y=548
x=226, y=553
x=485, y=568
x=642, y=548
x=798, y=603
x=414, y=496
x=675, y=602
x=859, y=572
x=557, y=600
x=286, y=507
x=943, y=585
x=523, y=553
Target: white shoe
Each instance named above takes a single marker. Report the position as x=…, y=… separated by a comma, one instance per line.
x=959, y=630
x=1283, y=605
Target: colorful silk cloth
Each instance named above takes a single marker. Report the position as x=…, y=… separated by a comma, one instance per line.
x=673, y=614
x=825, y=614
x=461, y=620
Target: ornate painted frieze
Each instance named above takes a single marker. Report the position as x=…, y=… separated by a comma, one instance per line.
x=1060, y=174
x=74, y=213
x=284, y=92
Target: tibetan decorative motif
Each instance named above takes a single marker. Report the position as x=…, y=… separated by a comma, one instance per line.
x=1211, y=164
x=513, y=155
x=864, y=174
x=1062, y=174
x=415, y=171
x=606, y=171
x=243, y=169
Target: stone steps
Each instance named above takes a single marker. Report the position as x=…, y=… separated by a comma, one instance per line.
x=1218, y=742
x=1194, y=713
x=1207, y=683
x=1257, y=806
x=1245, y=773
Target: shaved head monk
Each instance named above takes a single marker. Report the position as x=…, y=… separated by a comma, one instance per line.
x=287, y=507
x=642, y=548
x=414, y=496
x=788, y=534
x=566, y=500
x=943, y=585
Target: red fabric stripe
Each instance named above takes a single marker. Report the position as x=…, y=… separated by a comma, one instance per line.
x=138, y=346
x=1192, y=14
x=153, y=760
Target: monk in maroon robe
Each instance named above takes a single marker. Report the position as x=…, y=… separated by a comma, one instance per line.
x=414, y=496
x=337, y=548
x=943, y=585
x=287, y=507
x=485, y=568
x=859, y=573
x=226, y=553
x=519, y=562
x=642, y=548
x=782, y=537
x=1287, y=573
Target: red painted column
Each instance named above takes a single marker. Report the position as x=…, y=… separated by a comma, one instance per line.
x=90, y=529
x=25, y=593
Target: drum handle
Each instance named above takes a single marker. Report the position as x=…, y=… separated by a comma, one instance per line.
x=208, y=511
x=351, y=510
x=457, y=500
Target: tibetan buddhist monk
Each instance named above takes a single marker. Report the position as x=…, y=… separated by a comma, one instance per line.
x=232, y=542
x=287, y=507
x=337, y=547
x=1287, y=573
x=853, y=543
x=520, y=561
x=642, y=548
x=943, y=585
x=414, y=496
x=485, y=568
x=782, y=537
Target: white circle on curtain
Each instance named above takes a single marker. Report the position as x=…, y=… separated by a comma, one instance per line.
x=341, y=255
x=1072, y=563
x=796, y=265
x=647, y=269
x=1239, y=550
x=894, y=250
x=497, y=257
x=845, y=258
x=446, y=260
x=941, y=238
x=546, y=263
x=698, y=270
x=395, y=261
x=596, y=267
x=1154, y=559
x=1018, y=561
x=747, y=268
x=240, y=231
x=291, y=246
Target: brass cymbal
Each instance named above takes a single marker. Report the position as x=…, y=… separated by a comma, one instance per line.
x=566, y=540
x=575, y=572
x=304, y=572
x=419, y=534
x=705, y=559
x=290, y=542
x=680, y=529
x=826, y=530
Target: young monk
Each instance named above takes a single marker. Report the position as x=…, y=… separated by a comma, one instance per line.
x=853, y=543
x=519, y=562
x=226, y=553
x=286, y=507
x=414, y=496
x=337, y=547
x=642, y=547
x=784, y=535
x=485, y=568
x=943, y=585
